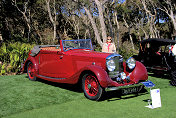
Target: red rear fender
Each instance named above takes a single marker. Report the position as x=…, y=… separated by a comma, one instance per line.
x=30, y=59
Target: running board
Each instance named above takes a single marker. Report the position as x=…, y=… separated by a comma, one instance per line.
x=157, y=68
x=50, y=77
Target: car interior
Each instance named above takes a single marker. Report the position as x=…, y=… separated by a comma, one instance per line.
x=56, y=48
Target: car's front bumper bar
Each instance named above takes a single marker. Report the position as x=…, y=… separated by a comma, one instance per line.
x=123, y=87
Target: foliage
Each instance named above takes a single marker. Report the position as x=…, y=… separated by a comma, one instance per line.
x=12, y=55
x=126, y=50
x=97, y=48
x=72, y=20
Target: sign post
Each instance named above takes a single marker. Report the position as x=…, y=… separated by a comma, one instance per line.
x=154, y=94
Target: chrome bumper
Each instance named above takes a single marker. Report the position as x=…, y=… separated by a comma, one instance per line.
x=122, y=87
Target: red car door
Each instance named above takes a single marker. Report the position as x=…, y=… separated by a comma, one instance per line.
x=55, y=64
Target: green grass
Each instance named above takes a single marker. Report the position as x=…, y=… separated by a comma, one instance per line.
x=18, y=94
x=21, y=98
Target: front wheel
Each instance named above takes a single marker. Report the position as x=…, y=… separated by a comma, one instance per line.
x=91, y=87
x=31, y=71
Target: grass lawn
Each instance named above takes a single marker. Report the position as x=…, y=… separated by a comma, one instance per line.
x=21, y=98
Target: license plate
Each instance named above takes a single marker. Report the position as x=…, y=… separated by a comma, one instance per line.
x=131, y=90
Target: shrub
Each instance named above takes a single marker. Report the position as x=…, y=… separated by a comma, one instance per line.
x=12, y=55
x=126, y=50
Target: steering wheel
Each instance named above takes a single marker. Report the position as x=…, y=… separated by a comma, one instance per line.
x=68, y=48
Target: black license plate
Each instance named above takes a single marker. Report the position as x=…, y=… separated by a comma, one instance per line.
x=131, y=90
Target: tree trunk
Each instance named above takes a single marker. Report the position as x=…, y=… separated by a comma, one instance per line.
x=139, y=36
x=131, y=39
x=53, y=21
x=118, y=27
x=129, y=31
x=151, y=16
x=26, y=15
x=97, y=35
x=101, y=18
x=173, y=18
x=146, y=36
x=110, y=24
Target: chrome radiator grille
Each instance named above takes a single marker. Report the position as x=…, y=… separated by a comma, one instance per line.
x=119, y=66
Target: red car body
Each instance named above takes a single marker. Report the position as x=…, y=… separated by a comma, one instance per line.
x=58, y=64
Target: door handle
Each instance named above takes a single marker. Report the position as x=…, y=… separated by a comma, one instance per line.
x=61, y=56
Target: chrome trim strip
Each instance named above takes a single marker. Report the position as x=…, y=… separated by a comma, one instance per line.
x=113, y=55
x=122, y=87
x=50, y=77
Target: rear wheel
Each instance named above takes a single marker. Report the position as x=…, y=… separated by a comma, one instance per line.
x=31, y=71
x=91, y=87
x=173, y=81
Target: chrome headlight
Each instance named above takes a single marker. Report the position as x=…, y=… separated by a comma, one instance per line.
x=110, y=65
x=131, y=63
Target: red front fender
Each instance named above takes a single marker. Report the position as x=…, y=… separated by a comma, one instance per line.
x=100, y=73
x=139, y=72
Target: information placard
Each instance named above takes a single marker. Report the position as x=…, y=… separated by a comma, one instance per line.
x=156, y=99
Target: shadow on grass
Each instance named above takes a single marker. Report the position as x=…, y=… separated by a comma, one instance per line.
x=161, y=75
x=147, y=100
x=109, y=96
x=158, y=74
x=119, y=94
x=71, y=87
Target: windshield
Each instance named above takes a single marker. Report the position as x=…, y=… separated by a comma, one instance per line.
x=77, y=44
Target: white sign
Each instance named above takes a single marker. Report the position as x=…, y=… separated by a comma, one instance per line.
x=156, y=99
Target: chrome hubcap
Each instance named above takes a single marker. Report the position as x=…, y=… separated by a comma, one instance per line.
x=88, y=86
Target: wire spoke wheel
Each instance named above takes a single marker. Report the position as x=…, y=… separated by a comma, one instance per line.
x=91, y=87
x=31, y=71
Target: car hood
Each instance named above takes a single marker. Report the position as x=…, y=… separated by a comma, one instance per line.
x=88, y=53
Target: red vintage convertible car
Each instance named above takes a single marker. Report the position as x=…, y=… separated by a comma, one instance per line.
x=74, y=60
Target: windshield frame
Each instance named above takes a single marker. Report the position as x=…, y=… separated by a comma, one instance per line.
x=78, y=40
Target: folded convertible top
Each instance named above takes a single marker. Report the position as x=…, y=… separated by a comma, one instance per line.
x=36, y=49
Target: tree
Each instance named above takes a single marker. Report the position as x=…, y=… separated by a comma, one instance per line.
x=52, y=16
x=151, y=13
x=26, y=12
x=97, y=35
x=95, y=9
x=169, y=7
x=101, y=18
x=127, y=16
